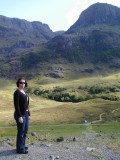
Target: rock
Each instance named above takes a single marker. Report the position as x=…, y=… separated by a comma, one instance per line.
x=32, y=144
x=33, y=134
x=112, y=137
x=52, y=158
x=8, y=139
x=90, y=149
x=98, y=135
x=57, y=157
x=45, y=145
x=74, y=138
x=39, y=139
x=60, y=139
x=4, y=144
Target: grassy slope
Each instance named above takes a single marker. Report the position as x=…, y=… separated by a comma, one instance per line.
x=46, y=111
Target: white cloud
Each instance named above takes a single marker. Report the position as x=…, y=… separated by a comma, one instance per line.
x=72, y=16
x=80, y=5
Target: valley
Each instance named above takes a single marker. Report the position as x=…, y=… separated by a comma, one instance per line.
x=73, y=77
x=51, y=119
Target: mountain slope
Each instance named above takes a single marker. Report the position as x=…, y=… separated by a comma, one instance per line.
x=94, y=40
x=27, y=27
x=20, y=36
x=98, y=13
x=95, y=37
x=17, y=38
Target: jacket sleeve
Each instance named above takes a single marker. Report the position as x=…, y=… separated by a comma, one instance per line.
x=16, y=104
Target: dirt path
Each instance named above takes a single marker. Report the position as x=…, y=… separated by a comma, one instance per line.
x=115, y=110
x=100, y=116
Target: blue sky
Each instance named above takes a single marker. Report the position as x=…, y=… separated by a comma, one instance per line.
x=58, y=14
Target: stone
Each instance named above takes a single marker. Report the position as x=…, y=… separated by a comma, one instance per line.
x=32, y=144
x=112, y=137
x=89, y=149
x=45, y=145
x=60, y=139
x=52, y=157
x=33, y=134
x=74, y=138
x=58, y=157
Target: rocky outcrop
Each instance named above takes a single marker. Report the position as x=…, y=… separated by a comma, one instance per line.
x=26, y=26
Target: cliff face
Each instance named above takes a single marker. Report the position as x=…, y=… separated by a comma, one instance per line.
x=99, y=13
x=26, y=26
x=20, y=36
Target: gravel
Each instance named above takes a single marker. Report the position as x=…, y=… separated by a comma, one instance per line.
x=83, y=148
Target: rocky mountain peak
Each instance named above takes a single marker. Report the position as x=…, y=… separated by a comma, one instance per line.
x=25, y=26
x=98, y=13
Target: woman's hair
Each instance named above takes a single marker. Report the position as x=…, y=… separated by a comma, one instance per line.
x=17, y=83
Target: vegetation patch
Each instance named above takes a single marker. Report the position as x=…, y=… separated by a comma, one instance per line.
x=63, y=95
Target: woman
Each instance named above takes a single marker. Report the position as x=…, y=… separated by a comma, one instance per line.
x=21, y=115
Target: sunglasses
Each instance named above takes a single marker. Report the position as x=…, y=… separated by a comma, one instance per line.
x=21, y=82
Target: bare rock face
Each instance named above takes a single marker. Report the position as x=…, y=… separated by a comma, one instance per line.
x=98, y=13
x=26, y=26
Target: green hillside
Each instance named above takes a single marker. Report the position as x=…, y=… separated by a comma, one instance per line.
x=90, y=97
x=51, y=118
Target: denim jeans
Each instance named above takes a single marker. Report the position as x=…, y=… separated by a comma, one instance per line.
x=22, y=129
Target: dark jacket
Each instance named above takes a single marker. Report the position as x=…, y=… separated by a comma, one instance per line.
x=21, y=103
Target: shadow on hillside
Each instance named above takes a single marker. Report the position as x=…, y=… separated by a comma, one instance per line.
x=7, y=152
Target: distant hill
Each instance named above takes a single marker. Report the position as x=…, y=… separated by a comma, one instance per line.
x=59, y=32
x=31, y=46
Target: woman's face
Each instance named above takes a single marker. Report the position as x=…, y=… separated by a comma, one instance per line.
x=22, y=84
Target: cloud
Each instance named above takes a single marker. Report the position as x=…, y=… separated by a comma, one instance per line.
x=72, y=16
x=80, y=5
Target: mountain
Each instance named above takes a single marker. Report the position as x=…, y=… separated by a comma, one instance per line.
x=99, y=13
x=93, y=39
x=95, y=36
x=59, y=32
x=25, y=26
x=20, y=36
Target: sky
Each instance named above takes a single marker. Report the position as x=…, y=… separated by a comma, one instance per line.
x=58, y=14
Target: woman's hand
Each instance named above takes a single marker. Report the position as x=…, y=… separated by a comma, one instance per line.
x=20, y=120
